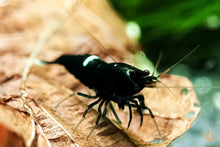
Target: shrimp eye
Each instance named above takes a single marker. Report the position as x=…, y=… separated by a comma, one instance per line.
x=147, y=72
x=131, y=72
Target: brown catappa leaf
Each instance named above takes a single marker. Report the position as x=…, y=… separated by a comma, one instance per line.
x=79, y=29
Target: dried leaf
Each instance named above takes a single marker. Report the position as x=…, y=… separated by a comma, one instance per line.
x=17, y=122
x=6, y=135
x=81, y=30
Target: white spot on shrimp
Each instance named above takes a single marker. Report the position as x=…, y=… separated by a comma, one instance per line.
x=89, y=59
x=128, y=72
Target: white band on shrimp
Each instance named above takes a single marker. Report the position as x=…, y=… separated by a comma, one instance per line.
x=89, y=59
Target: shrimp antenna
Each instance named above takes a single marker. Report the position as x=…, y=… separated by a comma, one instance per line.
x=89, y=33
x=157, y=63
x=163, y=73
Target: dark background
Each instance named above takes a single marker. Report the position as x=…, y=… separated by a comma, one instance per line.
x=176, y=27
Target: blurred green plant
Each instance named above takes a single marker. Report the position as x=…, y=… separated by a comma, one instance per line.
x=175, y=25
x=170, y=17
